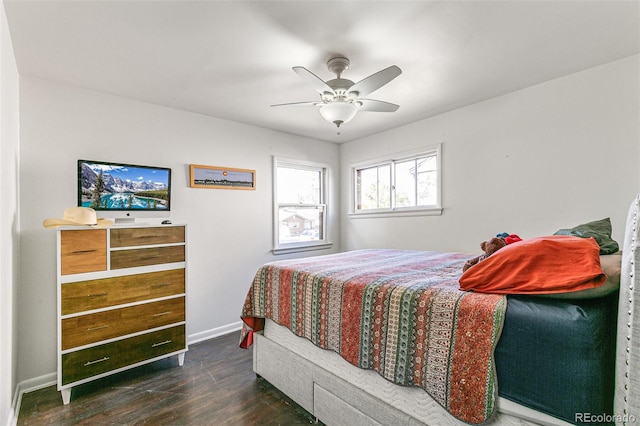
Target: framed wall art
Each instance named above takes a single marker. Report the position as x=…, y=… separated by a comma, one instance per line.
x=221, y=177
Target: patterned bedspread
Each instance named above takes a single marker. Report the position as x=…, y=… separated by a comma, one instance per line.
x=397, y=312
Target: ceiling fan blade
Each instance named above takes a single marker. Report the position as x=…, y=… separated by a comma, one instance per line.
x=308, y=103
x=378, y=106
x=375, y=81
x=316, y=82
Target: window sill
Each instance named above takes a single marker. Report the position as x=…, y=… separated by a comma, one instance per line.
x=302, y=248
x=396, y=213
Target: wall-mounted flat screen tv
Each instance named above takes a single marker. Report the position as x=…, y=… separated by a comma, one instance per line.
x=107, y=186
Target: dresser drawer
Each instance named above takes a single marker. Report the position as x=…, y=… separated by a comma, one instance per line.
x=103, y=358
x=83, y=296
x=130, y=237
x=86, y=329
x=83, y=251
x=144, y=257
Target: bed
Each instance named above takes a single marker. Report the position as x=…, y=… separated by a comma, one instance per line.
x=399, y=346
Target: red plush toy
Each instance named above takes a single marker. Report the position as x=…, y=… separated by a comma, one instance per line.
x=489, y=247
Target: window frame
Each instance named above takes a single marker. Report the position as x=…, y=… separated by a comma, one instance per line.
x=298, y=246
x=392, y=159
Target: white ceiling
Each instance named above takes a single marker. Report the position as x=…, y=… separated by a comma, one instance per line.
x=233, y=59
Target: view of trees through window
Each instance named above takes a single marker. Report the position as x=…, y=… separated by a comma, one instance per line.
x=374, y=187
x=406, y=183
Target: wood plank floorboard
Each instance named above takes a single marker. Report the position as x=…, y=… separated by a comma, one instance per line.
x=215, y=386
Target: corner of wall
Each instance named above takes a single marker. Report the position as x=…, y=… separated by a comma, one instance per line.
x=9, y=219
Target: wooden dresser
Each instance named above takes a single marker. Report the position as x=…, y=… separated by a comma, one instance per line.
x=121, y=300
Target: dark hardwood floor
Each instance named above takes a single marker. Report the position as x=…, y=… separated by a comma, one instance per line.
x=216, y=386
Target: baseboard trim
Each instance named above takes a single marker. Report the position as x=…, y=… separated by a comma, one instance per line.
x=26, y=386
x=214, y=332
x=12, y=419
x=50, y=379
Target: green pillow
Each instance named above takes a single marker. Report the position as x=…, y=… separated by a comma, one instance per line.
x=599, y=229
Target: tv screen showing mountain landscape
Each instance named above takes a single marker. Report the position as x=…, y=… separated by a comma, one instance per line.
x=114, y=186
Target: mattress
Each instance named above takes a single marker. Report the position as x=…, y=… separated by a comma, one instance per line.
x=558, y=356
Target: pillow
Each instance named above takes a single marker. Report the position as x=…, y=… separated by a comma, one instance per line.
x=610, y=264
x=543, y=265
x=599, y=229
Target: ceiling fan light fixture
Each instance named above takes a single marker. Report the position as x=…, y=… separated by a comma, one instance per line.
x=338, y=112
x=342, y=98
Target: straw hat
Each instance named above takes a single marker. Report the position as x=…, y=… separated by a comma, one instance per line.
x=78, y=216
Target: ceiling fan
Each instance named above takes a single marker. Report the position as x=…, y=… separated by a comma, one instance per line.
x=341, y=99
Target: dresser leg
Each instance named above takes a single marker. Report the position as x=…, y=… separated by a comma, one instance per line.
x=66, y=395
x=181, y=359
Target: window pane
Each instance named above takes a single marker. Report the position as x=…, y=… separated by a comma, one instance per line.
x=427, y=164
x=297, y=224
x=299, y=185
x=300, y=218
x=412, y=181
x=427, y=181
x=374, y=188
x=406, y=183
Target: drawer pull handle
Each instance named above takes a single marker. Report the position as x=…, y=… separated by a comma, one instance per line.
x=97, y=294
x=98, y=327
x=84, y=251
x=106, y=358
x=161, y=314
x=160, y=285
x=155, y=345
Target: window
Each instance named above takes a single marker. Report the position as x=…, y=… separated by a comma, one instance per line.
x=300, y=208
x=408, y=183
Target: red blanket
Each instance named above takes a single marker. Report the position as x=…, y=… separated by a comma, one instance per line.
x=399, y=313
x=543, y=265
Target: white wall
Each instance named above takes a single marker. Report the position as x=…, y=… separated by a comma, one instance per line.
x=530, y=162
x=230, y=231
x=9, y=225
